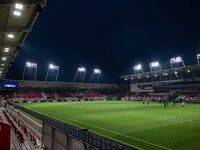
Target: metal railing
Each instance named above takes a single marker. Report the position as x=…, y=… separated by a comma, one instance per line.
x=87, y=137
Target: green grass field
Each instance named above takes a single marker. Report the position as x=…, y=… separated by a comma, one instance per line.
x=146, y=127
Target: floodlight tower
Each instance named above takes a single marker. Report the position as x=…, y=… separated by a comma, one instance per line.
x=96, y=74
x=80, y=73
x=155, y=65
x=29, y=65
x=176, y=60
x=198, y=57
x=138, y=69
x=51, y=68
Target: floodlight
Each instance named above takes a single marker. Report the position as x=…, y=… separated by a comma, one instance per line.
x=2, y=64
x=6, y=49
x=188, y=71
x=155, y=75
x=155, y=65
x=132, y=78
x=30, y=72
x=97, y=71
x=82, y=69
x=10, y=35
x=17, y=13
x=0, y=71
x=80, y=73
x=175, y=72
x=147, y=76
x=18, y=6
x=3, y=58
x=51, y=66
x=95, y=76
x=138, y=68
x=29, y=64
x=125, y=79
x=176, y=59
x=165, y=74
x=139, y=77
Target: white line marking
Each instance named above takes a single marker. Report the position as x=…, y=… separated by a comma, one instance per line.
x=115, y=132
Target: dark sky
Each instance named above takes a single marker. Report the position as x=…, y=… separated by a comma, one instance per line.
x=112, y=35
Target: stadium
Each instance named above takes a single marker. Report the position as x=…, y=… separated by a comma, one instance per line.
x=158, y=109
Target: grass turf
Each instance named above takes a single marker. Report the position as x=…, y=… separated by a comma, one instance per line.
x=146, y=127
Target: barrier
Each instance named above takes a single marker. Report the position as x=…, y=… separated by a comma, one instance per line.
x=86, y=137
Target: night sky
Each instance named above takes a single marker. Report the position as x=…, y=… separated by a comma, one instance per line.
x=112, y=35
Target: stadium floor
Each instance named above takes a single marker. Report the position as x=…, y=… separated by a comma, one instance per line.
x=144, y=126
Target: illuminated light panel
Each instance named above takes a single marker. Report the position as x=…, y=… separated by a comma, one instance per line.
x=97, y=71
x=29, y=64
x=6, y=49
x=16, y=13
x=10, y=35
x=82, y=69
x=3, y=58
x=138, y=67
x=176, y=60
x=18, y=6
x=154, y=64
x=51, y=66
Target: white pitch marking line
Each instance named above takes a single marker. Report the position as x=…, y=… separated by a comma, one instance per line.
x=115, y=133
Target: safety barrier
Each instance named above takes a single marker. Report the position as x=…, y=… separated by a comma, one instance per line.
x=83, y=135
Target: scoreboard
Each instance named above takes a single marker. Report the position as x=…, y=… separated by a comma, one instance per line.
x=9, y=85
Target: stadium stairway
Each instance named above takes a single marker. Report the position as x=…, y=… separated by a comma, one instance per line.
x=45, y=97
x=56, y=95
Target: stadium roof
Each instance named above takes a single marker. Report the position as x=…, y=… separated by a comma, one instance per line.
x=16, y=21
x=193, y=68
x=65, y=85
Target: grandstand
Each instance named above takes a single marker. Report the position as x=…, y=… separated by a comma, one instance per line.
x=177, y=82
x=41, y=90
x=36, y=129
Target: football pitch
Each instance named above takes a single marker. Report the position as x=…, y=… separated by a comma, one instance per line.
x=132, y=123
